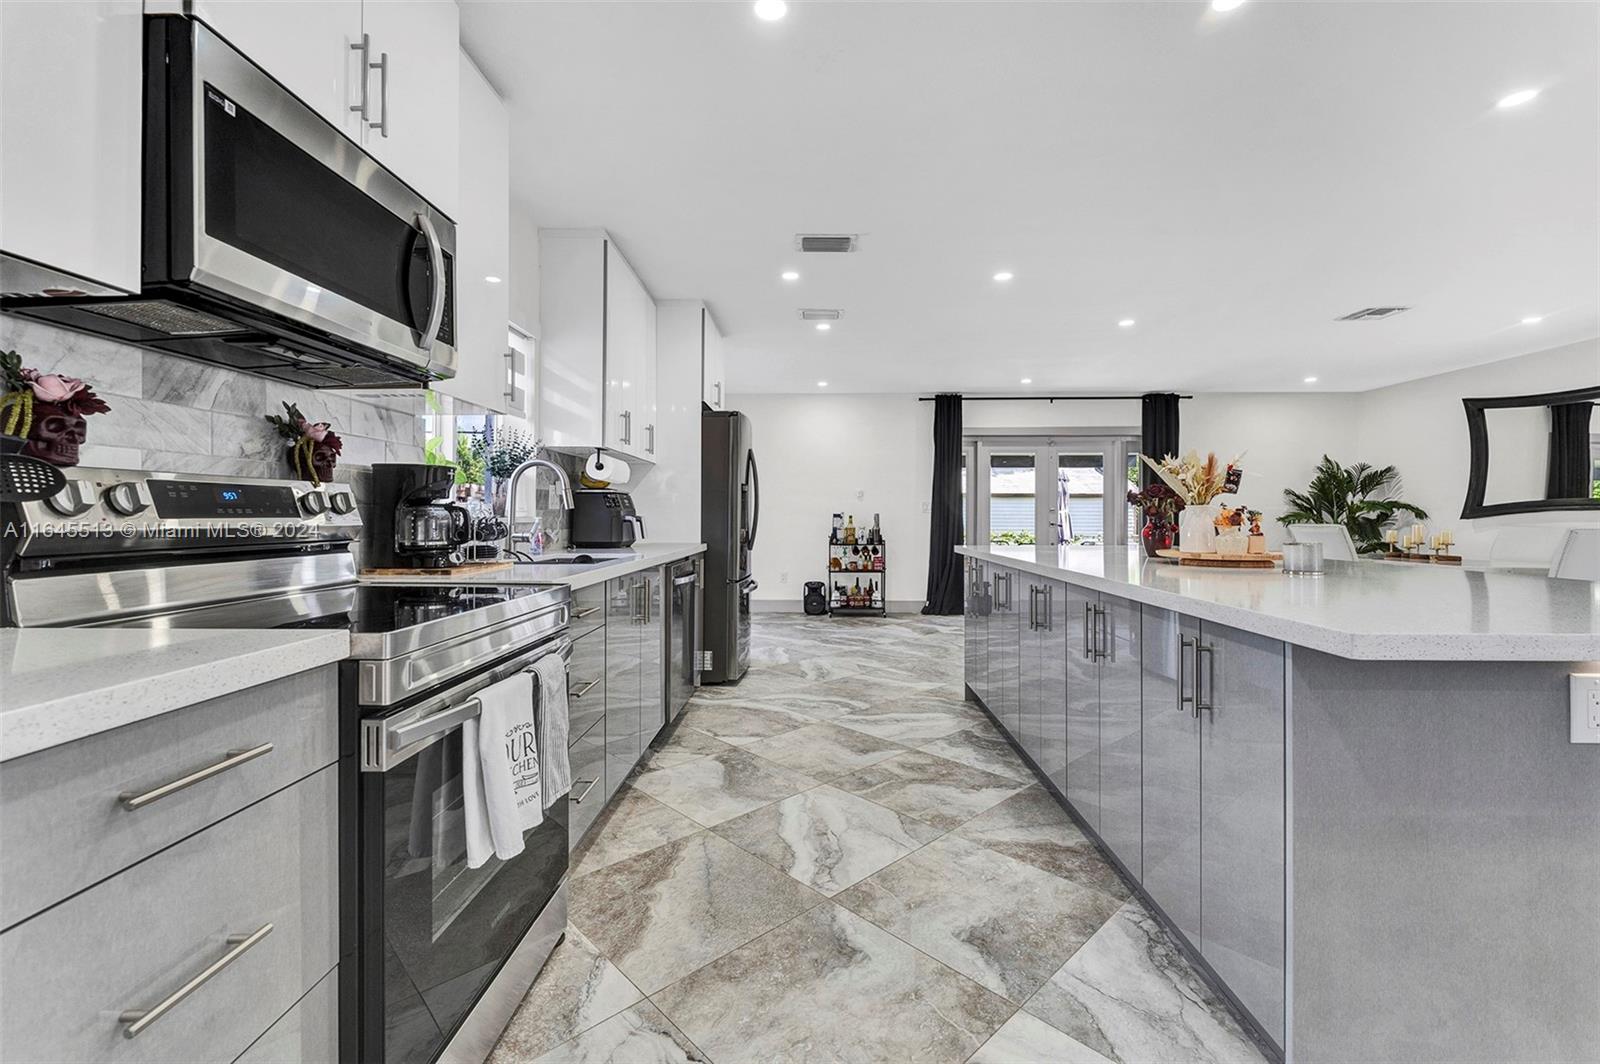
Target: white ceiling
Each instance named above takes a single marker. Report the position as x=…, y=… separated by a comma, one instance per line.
x=1233, y=182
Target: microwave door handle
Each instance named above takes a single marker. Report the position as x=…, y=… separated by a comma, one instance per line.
x=436, y=262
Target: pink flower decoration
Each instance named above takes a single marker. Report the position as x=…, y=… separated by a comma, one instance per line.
x=54, y=388
x=317, y=431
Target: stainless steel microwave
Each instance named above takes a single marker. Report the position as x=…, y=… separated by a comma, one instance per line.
x=272, y=244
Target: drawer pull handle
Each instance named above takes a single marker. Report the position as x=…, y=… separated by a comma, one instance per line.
x=586, y=791
x=137, y=1019
x=580, y=692
x=234, y=759
x=579, y=615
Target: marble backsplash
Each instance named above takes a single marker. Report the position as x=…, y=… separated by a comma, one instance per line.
x=169, y=413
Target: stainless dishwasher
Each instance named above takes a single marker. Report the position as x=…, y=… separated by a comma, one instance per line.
x=682, y=634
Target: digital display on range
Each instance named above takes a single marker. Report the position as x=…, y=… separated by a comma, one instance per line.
x=191, y=498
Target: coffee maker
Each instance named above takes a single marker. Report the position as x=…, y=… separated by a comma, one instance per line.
x=414, y=524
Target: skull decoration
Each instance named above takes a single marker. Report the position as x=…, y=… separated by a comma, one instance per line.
x=324, y=455
x=56, y=434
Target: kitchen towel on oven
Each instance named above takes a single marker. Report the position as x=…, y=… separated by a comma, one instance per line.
x=503, y=793
x=551, y=671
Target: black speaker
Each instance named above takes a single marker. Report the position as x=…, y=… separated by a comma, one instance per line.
x=816, y=599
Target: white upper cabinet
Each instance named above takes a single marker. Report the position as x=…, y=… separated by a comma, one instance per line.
x=71, y=86
x=483, y=246
x=572, y=315
x=597, y=360
x=394, y=61
x=713, y=365
x=414, y=94
x=311, y=46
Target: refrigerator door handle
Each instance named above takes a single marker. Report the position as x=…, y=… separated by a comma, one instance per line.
x=754, y=476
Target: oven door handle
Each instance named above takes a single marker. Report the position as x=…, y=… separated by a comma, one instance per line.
x=406, y=734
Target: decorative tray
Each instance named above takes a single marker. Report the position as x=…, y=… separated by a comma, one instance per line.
x=1222, y=561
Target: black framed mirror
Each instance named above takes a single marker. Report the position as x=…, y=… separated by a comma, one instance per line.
x=1545, y=453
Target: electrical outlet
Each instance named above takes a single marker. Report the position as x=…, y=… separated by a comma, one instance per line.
x=927, y=507
x=1585, y=707
x=860, y=494
x=783, y=577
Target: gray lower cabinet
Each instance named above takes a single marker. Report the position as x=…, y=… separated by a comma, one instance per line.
x=306, y=1034
x=1171, y=771
x=1121, y=649
x=1083, y=703
x=1005, y=650
x=1240, y=692
x=1029, y=733
x=64, y=824
x=257, y=888
x=624, y=669
x=652, y=656
x=587, y=755
x=1213, y=788
x=978, y=608
x=1044, y=680
x=586, y=683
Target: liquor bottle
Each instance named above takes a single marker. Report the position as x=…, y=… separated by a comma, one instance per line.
x=850, y=530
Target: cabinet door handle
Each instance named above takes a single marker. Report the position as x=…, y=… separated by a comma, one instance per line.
x=650, y=438
x=1185, y=644
x=1049, y=608
x=139, y=1019
x=1088, y=644
x=718, y=386
x=586, y=790
x=1033, y=611
x=382, y=67
x=364, y=46
x=1209, y=705
x=1106, y=648
x=580, y=692
x=235, y=758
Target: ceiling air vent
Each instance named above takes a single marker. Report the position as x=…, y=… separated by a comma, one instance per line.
x=1373, y=314
x=827, y=242
x=817, y=314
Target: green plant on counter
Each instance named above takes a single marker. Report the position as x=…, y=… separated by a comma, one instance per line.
x=1359, y=497
x=1013, y=539
x=507, y=449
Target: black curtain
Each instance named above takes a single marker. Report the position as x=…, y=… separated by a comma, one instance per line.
x=944, y=524
x=1158, y=430
x=1567, y=472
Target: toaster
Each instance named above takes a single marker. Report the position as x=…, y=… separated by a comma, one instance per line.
x=604, y=518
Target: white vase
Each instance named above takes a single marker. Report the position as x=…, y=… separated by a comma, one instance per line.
x=1197, y=531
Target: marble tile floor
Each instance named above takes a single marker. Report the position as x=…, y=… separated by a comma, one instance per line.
x=840, y=860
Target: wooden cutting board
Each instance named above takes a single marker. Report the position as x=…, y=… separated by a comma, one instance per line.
x=1223, y=561
x=467, y=569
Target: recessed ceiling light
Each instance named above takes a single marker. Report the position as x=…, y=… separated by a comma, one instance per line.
x=1004, y=275
x=822, y=384
x=790, y=275
x=1533, y=319
x=1027, y=380
x=1517, y=99
x=771, y=10
x=824, y=326
x=492, y=279
x=1126, y=323
x=1225, y=5
x=1311, y=380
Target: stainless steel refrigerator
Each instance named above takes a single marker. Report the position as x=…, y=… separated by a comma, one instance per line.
x=730, y=508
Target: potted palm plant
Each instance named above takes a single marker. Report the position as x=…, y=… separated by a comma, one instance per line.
x=1362, y=498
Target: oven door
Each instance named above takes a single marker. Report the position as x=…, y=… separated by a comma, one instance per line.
x=433, y=932
x=267, y=204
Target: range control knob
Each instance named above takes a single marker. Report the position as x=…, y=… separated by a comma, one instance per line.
x=126, y=498
x=75, y=497
x=313, y=502
x=342, y=502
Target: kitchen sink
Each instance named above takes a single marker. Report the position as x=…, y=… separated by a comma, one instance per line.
x=576, y=559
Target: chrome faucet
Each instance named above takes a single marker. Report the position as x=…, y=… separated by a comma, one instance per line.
x=511, y=496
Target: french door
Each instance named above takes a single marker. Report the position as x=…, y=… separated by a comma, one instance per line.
x=1049, y=490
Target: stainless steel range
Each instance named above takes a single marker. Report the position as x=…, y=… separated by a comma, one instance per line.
x=440, y=953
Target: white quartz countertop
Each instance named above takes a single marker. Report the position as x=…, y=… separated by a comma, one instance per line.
x=1371, y=610
x=618, y=563
x=62, y=684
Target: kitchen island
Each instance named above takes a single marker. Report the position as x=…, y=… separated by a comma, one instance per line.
x=1342, y=793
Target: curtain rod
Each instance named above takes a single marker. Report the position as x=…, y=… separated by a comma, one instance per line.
x=1035, y=398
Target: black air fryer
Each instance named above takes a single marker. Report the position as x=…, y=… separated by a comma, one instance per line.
x=602, y=517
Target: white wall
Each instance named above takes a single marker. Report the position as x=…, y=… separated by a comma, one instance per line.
x=1420, y=426
x=818, y=451
x=856, y=454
